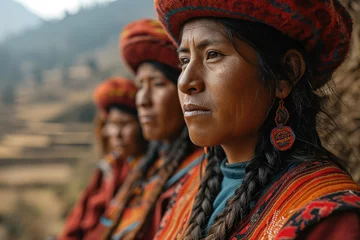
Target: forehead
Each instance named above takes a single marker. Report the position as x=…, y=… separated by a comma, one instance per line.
x=146, y=70
x=116, y=113
x=202, y=32
x=202, y=28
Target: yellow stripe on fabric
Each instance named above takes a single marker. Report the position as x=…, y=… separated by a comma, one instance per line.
x=288, y=202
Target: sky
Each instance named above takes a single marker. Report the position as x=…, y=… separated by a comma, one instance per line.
x=55, y=9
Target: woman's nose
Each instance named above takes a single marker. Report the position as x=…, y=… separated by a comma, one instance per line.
x=143, y=97
x=190, y=80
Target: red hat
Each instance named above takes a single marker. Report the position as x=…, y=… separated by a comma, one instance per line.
x=116, y=91
x=146, y=40
x=323, y=27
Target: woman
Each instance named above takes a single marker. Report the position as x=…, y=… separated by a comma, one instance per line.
x=122, y=138
x=247, y=88
x=140, y=202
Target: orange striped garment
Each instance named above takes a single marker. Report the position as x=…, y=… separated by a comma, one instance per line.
x=306, y=194
x=134, y=209
x=107, y=178
x=180, y=205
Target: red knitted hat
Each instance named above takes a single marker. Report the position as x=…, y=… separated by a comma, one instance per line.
x=323, y=27
x=146, y=40
x=116, y=91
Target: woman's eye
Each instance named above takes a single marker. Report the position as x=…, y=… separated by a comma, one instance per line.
x=123, y=124
x=213, y=54
x=138, y=84
x=184, y=61
x=159, y=84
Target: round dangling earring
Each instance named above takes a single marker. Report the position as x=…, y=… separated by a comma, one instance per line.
x=282, y=137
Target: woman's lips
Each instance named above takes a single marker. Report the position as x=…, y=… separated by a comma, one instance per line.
x=146, y=119
x=117, y=144
x=191, y=110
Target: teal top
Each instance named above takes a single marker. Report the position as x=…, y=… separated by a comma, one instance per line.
x=233, y=177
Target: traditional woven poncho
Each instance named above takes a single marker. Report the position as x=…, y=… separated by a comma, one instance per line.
x=107, y=178
x=301, y=198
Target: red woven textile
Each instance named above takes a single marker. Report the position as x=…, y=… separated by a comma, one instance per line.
x=115, y=91
x=323, y=27
x=146, y=40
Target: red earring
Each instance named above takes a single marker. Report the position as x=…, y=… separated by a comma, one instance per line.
x=282, y=137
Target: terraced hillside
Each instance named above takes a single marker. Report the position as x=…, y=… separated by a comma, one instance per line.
x=42, y=160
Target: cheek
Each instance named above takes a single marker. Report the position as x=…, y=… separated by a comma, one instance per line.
x=251, y=102
x=168, y=104
x=181, y=98
x=130, y=133
x=239, y=97
x=137, y=98
x=221, y=91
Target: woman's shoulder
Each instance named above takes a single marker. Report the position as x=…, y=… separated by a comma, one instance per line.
x=322, y=173
x=304, y=195
x=343, y=225
x=303, y=182
x=321, y=190
x=319, y=210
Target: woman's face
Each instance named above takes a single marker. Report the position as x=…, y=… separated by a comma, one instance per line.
x=220, y=90
x=123, y=132
x=158, y=104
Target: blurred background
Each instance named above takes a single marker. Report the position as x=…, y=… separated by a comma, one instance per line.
x=52, y=56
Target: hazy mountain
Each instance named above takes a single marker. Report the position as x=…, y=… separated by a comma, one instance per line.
x=59, y=43
x=15, y=18
x=86, y=30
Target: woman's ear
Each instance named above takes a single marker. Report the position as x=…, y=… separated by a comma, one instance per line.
x=294, y=59
x=283, y=89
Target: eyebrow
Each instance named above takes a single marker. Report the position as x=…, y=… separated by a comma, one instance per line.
x=203, y=44
x=150, y=77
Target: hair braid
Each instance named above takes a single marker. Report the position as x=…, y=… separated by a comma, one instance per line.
x=258, y=172
x=178, y=152
x=125, y=193
x=208, y=190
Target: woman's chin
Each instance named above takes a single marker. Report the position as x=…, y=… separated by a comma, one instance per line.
x=121, y=152
x=201, y=139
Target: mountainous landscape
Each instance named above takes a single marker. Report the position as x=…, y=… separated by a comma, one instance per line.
x=59, y=43
x=15, y=18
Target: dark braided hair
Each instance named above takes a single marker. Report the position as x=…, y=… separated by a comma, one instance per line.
x=303, y=105
x=209, y=188
x=178, y=151
x=134, y=179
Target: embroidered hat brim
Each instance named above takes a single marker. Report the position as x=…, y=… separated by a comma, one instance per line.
x=116, y=91
x=146, y=40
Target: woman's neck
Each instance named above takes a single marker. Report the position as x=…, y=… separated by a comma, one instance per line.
x=240, y=149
